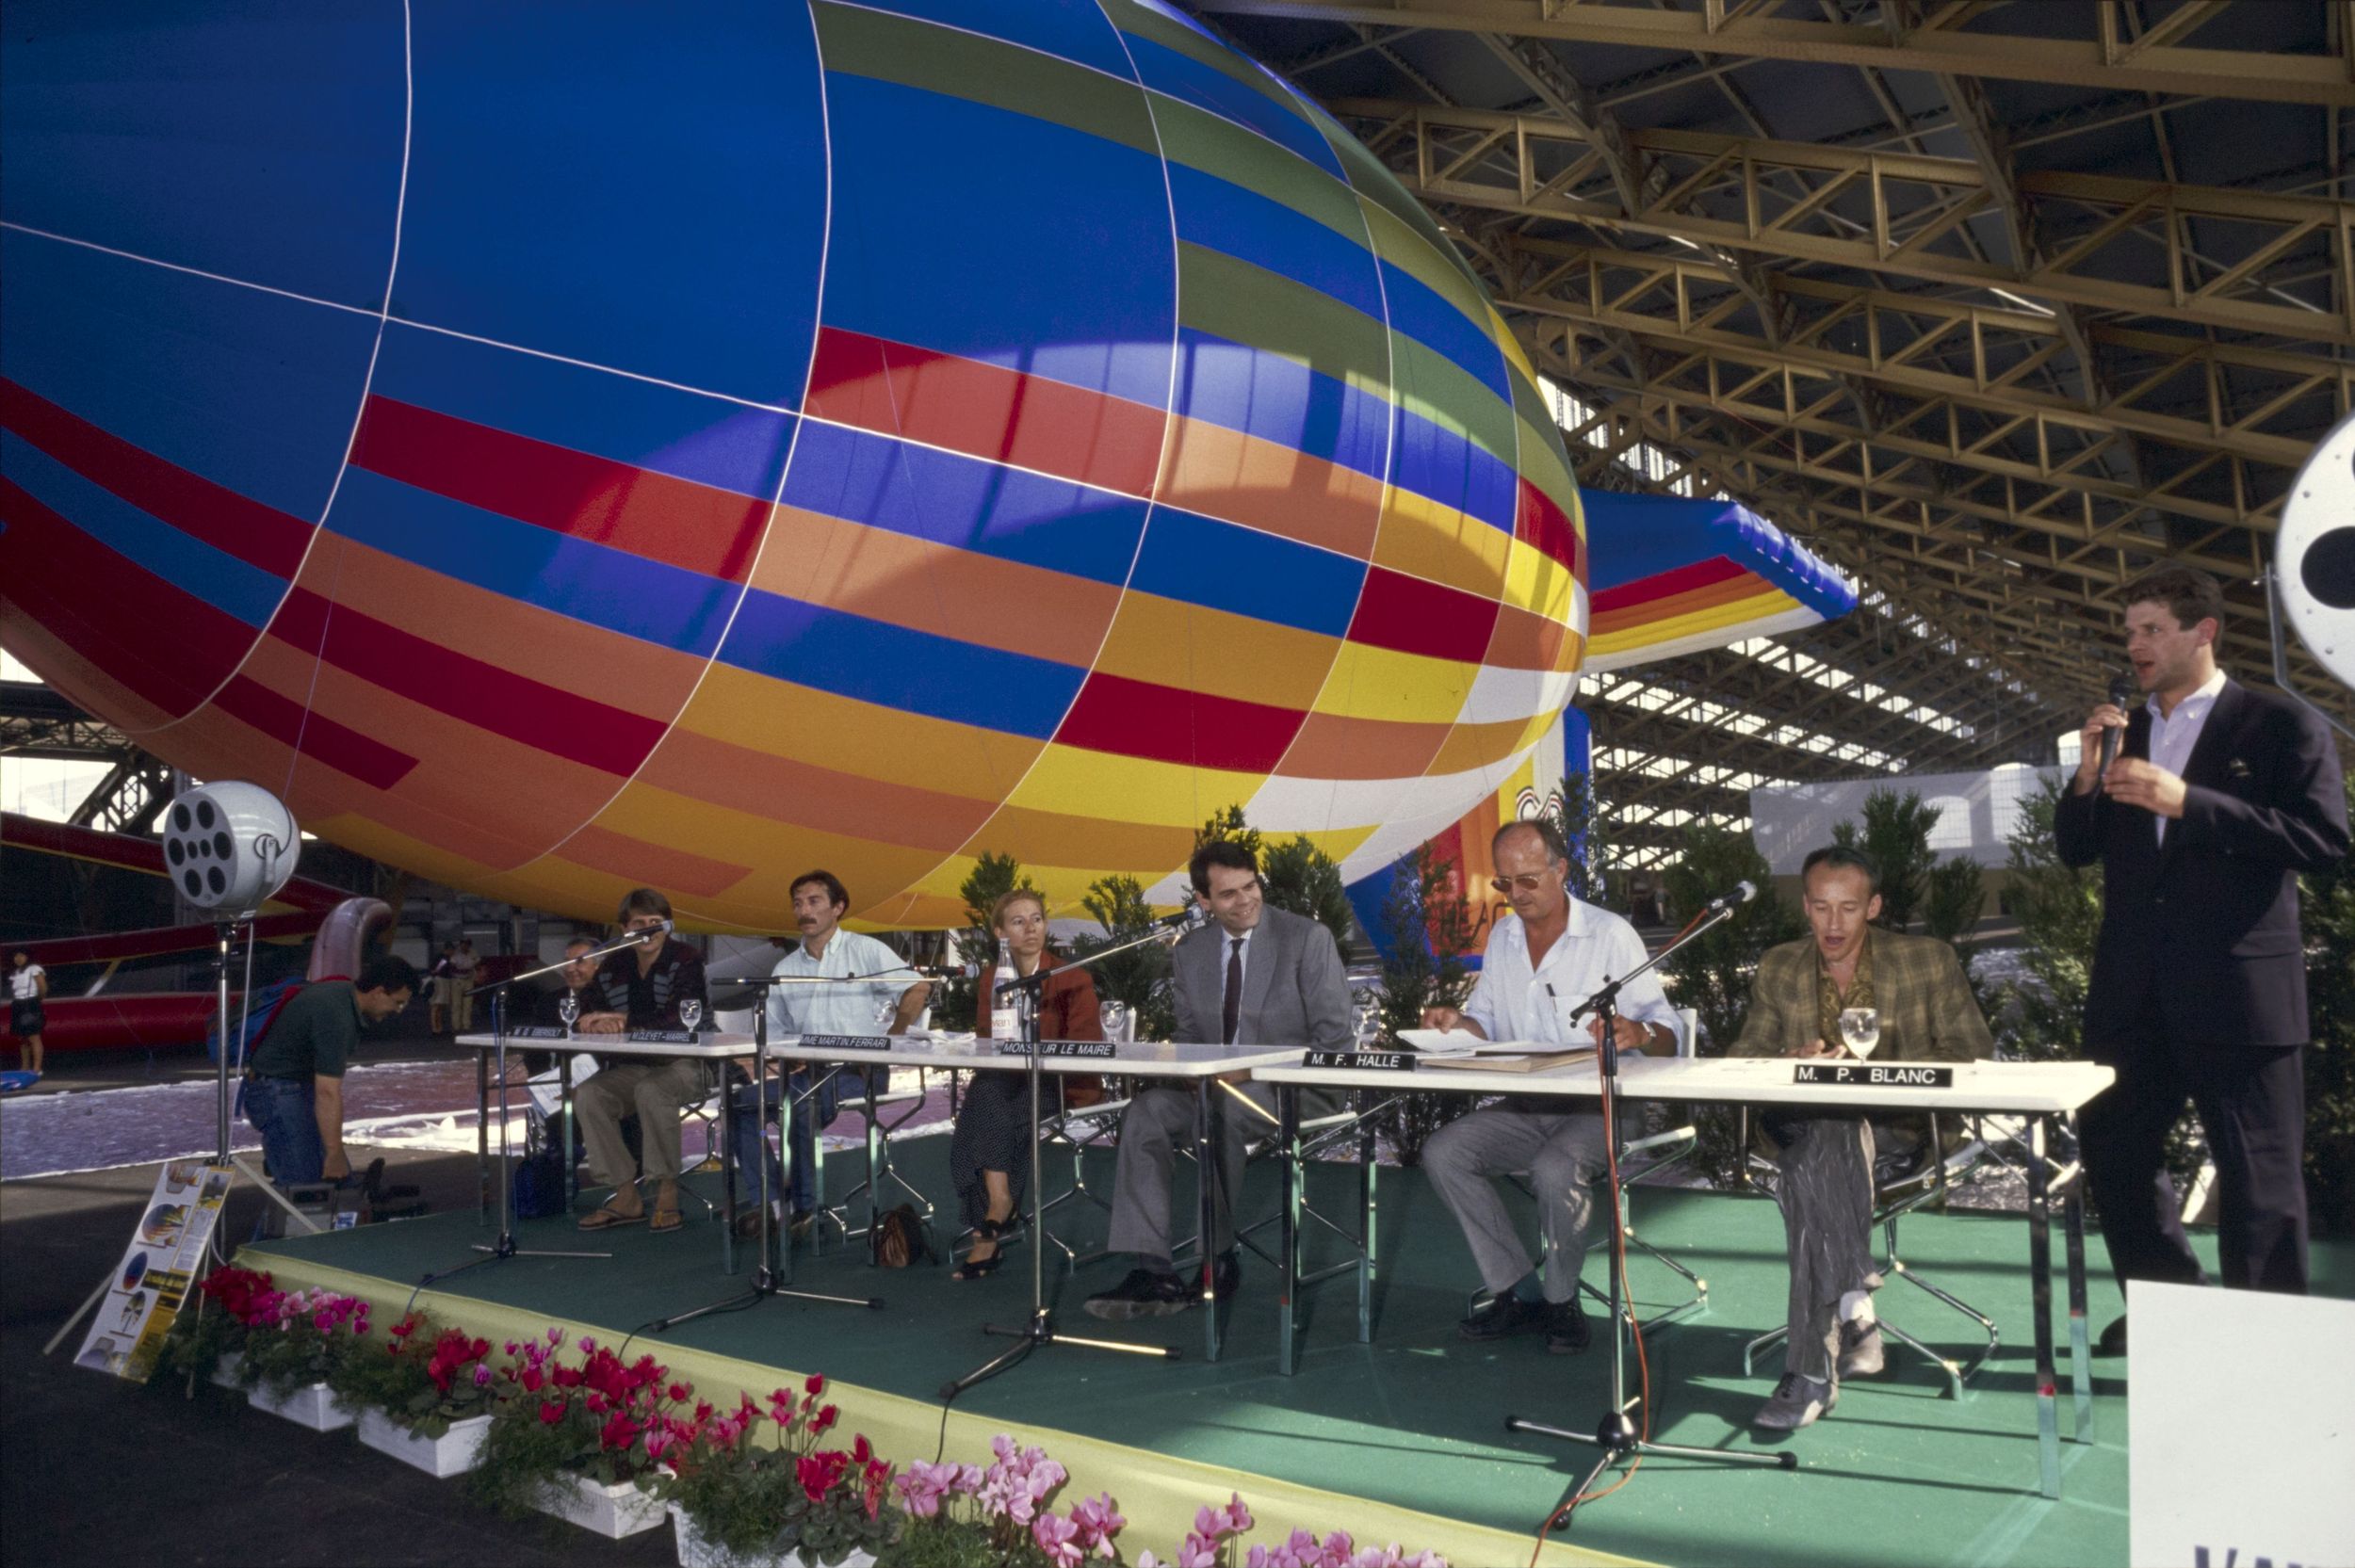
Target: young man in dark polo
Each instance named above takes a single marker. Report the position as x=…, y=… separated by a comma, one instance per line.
x=293, y=1092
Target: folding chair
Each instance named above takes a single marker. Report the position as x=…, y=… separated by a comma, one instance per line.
x=1896, y=1194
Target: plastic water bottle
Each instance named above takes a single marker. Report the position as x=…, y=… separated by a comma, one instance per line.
x=1005, y=1012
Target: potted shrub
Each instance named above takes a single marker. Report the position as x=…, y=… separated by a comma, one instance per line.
x=209, y=1341
x=426, y=1399
x=737, y=1502
x=570, y=1439
x=293, y=1341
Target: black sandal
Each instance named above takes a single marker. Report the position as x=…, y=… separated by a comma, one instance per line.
x=989, y=1231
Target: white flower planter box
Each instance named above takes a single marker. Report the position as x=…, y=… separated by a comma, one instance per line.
x=314, y=1406
x=455, y=1453
x=225, y=1371
x=613, y=1512
x=695, y=1552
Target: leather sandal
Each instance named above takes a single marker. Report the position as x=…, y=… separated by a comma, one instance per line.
x=606, y=1216
x=981, y=1268
x=665, y=1220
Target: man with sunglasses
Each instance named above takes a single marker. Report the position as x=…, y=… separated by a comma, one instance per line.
x=1550, y=954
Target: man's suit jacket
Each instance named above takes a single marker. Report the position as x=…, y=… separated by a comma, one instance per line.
x=1926, y=1011
x=1295, y=990
x=2207, y=925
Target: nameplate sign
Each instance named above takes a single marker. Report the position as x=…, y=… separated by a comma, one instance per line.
x=1060, y=1049
x=537, y=1031
x=846, y=1041
x=1866, y=1075
x=663, y=1037
x=1377, y=1061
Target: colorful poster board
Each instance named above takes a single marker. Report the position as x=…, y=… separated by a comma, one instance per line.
x=158, y=1270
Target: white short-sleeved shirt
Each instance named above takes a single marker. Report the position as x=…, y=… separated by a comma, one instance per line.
x=24, y=984
x=1510, y=1002
x=837, y=1008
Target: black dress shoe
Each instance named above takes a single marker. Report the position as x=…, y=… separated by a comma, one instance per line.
x=1501, y=1315
x=1566, y=1328
x=1145, y=1293
x=1226, y=1275
x=2113, y=1340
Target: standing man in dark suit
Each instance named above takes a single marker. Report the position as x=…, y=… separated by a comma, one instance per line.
x=1254, y=976
x=2219, y=796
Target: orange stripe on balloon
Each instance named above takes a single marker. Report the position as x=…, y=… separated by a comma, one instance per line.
x=636, y=860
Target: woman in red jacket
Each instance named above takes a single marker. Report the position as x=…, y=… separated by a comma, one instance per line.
x=989, y=1155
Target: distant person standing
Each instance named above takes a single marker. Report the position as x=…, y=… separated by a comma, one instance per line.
x=461, y=965
x=28, y=987
x=437, y=981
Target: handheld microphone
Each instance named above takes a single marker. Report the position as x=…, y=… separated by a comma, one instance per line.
x=2122, y=690
x=1742, y=892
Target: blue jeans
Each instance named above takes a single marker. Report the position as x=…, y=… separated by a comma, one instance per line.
x=284, y=1112
x=744, y=1128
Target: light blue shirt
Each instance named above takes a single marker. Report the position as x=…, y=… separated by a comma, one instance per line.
x=837, y=1008
x=1510, y=1002
x=2172, y=739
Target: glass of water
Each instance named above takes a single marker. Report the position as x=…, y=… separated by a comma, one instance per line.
x=690, y=1013
x=568, y=1009
x=1860, y=1030
x=1369, y=1011
x=1117, y=1022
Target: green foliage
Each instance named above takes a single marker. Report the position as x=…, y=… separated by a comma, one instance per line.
x=523, y=1461
x=2327, y=900
x=1895, y=831
x=1139, y=977
x=1712, y=976
x=2059, y=911
x=955, y=1007
x=200, y=1336
x=1582, y=829
x=296, y=1353
x=1428, y=925
x=1953, y=893
x=422, y=1376
x=1227, y=824
x=1307, y=882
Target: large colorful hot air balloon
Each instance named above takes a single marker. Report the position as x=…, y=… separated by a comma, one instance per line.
x=560, y=448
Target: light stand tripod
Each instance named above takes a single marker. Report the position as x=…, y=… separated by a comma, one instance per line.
x=765, y=1275
x=1617, y=1434
x=1040, y=1329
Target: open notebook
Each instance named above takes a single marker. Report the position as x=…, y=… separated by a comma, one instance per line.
x=1455, y=1048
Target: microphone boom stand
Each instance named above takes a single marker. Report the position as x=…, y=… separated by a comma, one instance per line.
x=504, y=1247
x=1039, y=1329
x=765, y=1281
x=1615, y=1435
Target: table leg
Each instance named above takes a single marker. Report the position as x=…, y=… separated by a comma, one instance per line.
x=874, y=1162
x=2040, y=1292
x=482, y=1135
x=1368, y=1172
x=1288, y=1288
x=570, y=1181
x=2080, y=1348
x=1206, y=1188
x=727, y=1174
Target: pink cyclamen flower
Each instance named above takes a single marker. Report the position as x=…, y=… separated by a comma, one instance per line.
x=1098, y=1522
x=1058, y=1537
x=481, y=1376
x=1200, y=1551
x=1237, y=1517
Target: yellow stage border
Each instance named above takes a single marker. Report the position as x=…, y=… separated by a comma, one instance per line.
x=1157, y=1494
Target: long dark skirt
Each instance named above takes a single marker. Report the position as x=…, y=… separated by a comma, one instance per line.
x=993, y=1134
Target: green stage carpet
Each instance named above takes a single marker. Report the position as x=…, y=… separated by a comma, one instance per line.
x=1898, y=1473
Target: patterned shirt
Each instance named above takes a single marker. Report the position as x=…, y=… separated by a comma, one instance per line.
x=1831, y=1004
x=651, y=999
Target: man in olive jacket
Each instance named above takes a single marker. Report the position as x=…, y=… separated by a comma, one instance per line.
x=1925, y=1012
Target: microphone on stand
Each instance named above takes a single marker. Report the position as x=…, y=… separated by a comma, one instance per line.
x=647, y=933
x=2123, y=692
x=1742, y=892
x=1189, y=917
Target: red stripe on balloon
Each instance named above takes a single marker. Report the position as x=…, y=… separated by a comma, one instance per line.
x=985, y=411
x=1661, y=584
x=235, y=524
x=165, y=646
x=658, y=516
x=1540, y=523
x=560, y=723
x=1411, y=615
x=313, y=734
x=635, y=860
x=1163, y=723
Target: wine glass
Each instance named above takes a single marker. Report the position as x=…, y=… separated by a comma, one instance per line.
x=568, y=1009
x=690, y=1013
x=887, y=1009
x=1860, y=1028
x=1369, y=1006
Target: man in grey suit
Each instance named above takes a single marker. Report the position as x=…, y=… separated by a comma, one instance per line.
x=1255, y=976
